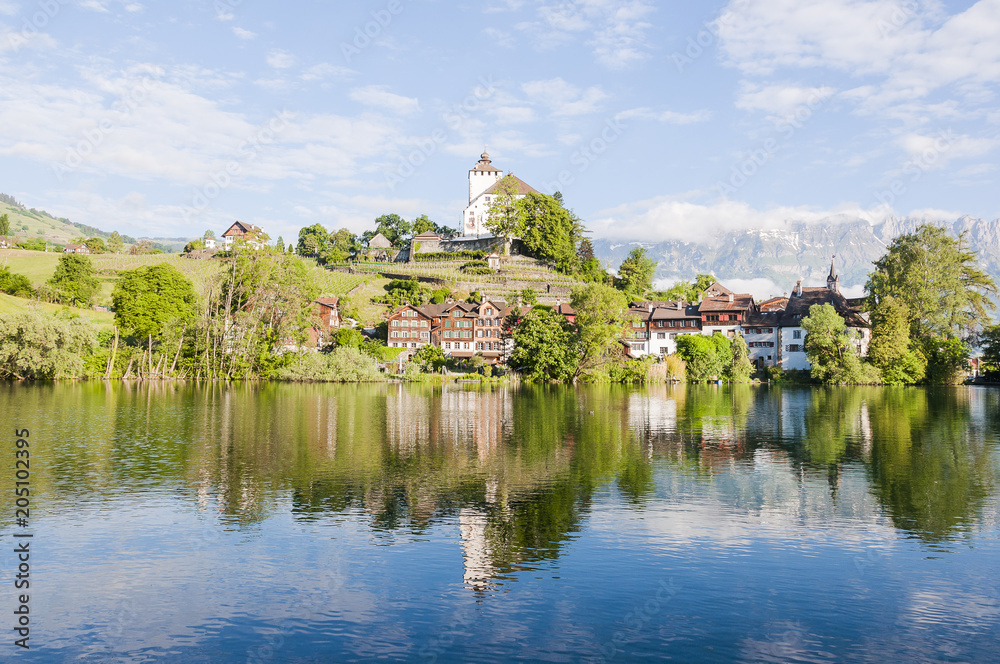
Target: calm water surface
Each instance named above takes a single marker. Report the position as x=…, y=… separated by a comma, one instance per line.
x=282, y=523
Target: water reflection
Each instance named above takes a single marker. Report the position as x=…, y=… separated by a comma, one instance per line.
x=517, y=469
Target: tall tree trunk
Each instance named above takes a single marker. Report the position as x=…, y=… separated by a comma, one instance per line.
x=178, y=354
x=111, y=360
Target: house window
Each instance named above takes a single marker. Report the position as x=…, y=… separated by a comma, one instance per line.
x=796, y=334
x=395, y=322
x=425, y=335
x=447, y=345
x=637, y=323
x=661, y=335
x=794, y=348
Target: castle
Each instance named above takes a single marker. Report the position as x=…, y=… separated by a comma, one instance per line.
x=483, y=180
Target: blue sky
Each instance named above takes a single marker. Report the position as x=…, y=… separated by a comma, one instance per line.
x=655, y=119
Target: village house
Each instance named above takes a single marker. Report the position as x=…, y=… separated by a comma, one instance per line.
x=380, y=248
x=652, y=328
x=790, y=341
x=724, y=311
x=760, y=331
x=248, y=233
x=409, y=327
x=326, y=321
x=76, y=249
x=210, y=243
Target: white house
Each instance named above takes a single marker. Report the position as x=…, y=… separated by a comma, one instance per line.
x=483, y=180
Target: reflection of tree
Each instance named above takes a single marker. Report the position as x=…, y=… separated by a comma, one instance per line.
x=927, y=469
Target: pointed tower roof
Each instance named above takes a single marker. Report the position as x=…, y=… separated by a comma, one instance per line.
x=833, y=279
x=485, y=164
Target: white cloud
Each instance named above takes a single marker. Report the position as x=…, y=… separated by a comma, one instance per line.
x=674, y=218
x=564, y=99
x=929, y=152
x=244, y=34
x=325, y=70
x=667, y=117
x=280, y=59
x=379, y=96
x=615, y=30
x=781, y=100
x=9, y=7
x=911, y=50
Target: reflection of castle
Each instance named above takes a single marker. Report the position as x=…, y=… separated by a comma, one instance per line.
x=479, y=568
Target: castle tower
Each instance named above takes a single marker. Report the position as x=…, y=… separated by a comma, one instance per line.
x=833, y=279
x=483, y=176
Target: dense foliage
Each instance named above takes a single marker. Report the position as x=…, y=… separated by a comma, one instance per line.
x=75, y=280
x=635, y=275
x=147, y=298
x=831, y=349
x=36, y=345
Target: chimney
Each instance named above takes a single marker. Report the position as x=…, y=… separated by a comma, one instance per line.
x=680, y=305
x=798, y=288
x=730, y=297
x=649, y=307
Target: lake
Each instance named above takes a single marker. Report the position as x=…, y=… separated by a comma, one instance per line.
x=327, y=523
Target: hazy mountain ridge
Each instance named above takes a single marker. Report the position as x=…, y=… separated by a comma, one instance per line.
x=800, y=250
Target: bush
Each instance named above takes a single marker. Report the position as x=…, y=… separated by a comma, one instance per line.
x=450, y=255
x=344, y=365
x=36, y=346
x=15, y=284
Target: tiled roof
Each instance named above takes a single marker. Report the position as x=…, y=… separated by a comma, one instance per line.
x=245, y=228
x=717, y=288
x=379, y=241
x=740, y=302
x=798, y=306
x=328, y=301
x=427, y=235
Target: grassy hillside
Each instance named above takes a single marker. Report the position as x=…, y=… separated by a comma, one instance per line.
x=29, y=223
x=14, y=305
x=39, y=266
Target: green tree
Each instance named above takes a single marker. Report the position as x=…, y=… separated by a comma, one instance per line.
x=831, y=350
x=395, y=229
x=96, y=245
x=15, y=284
x=989, y=342
x=705, y=357
x=313, y=241
x=890, y=350
x=348, y=336
x=148, y=298
x=543, y=347
x=505, y=218
x=193, y=245
x=550, y=231
x=422, y=224
x=937, y=278
x=36, y=345
x=115, y=243
x=430, y=357
x=600, y=317
x=739, y=367
x=4, y=224
x=343, y=245
x=75, y=280
x=947, y=359
x=635, y=275
x=687, y=291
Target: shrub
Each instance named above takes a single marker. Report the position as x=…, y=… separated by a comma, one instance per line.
x=344, y=365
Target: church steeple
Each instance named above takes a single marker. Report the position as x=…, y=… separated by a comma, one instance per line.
x=833, y=279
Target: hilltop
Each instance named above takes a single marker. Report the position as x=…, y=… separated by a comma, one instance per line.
x=28, y=223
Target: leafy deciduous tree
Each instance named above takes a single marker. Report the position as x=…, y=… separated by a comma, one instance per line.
x=831, y=349
x=600, y=316
x=890, y=350
x=74, y=280
x=543, y=347
x=147, y=298
x=635, y=276
x=505, y=218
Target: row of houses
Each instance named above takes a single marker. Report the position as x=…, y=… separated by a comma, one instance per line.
x=772, y=329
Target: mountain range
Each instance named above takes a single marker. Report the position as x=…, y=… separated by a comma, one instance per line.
x=800, y=250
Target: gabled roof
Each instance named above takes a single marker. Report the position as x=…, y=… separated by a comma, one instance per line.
x=763, y=319
x=717, y=289
x=241, y=228
x=773, y=304
x=427, y=235
x=740, y=302
x=798, y=306
x=379, y=241
x=328, y=301
x=522, y=187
